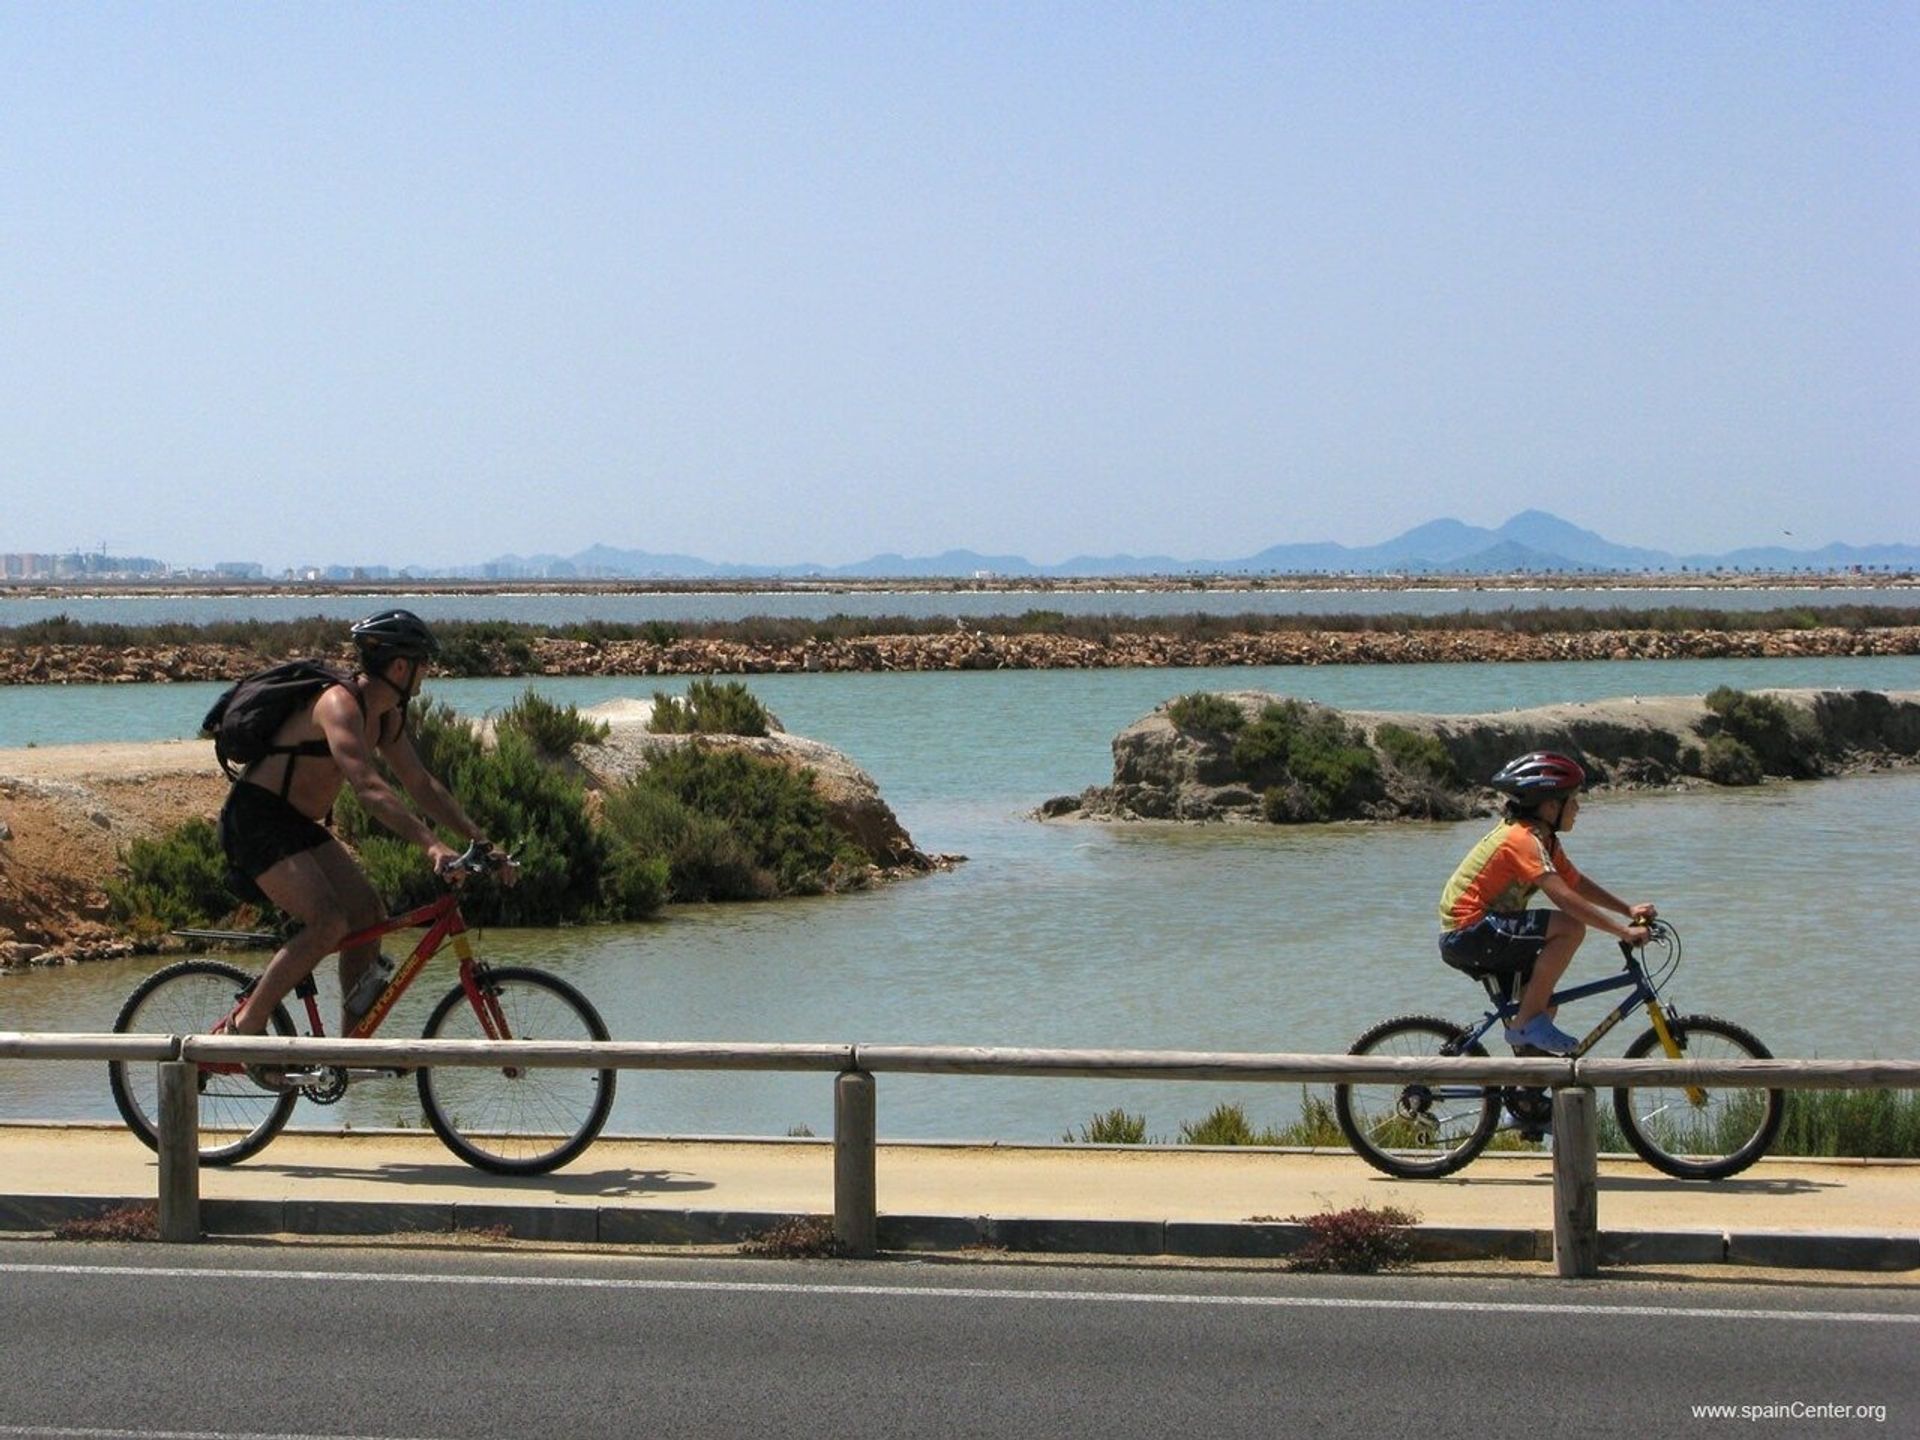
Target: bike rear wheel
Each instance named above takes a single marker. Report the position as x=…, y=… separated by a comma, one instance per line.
x=237, y=1117
x=519, y=1120
x=1712, y=1133
x=1418, y=1130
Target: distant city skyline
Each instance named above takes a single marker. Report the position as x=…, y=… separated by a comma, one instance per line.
x=364, y=284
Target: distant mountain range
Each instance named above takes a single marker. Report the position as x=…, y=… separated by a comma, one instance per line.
x=1532, y=541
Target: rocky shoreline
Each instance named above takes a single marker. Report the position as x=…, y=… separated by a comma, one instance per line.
x=1308, y=763
x=965, y=649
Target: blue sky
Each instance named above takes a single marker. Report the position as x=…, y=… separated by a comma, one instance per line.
x=771, y=283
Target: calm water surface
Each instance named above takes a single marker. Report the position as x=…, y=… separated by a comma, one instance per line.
x=1796, y=902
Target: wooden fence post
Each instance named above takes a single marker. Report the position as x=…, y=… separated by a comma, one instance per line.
x=1576, y=1184
x=179, y=1151
x=856, y=1222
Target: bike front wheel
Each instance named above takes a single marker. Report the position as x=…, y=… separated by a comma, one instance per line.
x=1696, y=1133
x=520, y=1119
x=1418, y=1130
x=237, y=1117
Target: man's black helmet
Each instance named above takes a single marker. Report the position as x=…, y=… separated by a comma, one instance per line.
x=1539, y=775
x=395, y=632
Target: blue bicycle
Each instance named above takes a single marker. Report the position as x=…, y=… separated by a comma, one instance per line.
x=1421, y=1131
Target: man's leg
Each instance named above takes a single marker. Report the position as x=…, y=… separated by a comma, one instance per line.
x=1564, y=934
x=362, y=907
x=299, y=885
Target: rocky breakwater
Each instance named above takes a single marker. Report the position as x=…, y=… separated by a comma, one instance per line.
x=69, y=812
x=1254, y=756
x=965, y=648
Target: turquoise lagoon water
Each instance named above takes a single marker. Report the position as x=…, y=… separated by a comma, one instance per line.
x=1796, y=902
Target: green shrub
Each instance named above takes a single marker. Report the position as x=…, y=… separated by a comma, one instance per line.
x=711, y=708
x=1783, y=738
x=1358, y=1241
x=1226, y=1125
x=1316, y=1127
x=1727, y=761
x=517, y=798
x=1114, y=1127
x=1311, y=764
x=1204, y=714
x=1416, y=754
x=176, y=879
x=732, y=826
x=553, y=729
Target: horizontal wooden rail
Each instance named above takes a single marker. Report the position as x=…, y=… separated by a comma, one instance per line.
x=1575, y=1163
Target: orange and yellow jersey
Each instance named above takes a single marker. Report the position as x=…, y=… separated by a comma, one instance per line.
x=1501, y=873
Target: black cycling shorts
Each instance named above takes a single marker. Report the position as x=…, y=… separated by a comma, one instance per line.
x=258, y=830
x=1497, y=944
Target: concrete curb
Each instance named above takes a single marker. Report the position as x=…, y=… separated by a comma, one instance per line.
x=1246, y=1240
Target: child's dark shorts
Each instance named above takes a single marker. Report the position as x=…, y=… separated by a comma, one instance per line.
x=258, y=830
x=1497, y=944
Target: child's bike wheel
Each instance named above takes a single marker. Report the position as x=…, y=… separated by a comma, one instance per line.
x=237, y=1117
x=1416, y=1130
x=1696, y=1133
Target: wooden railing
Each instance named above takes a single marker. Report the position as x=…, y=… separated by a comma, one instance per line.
x=1575, y=1157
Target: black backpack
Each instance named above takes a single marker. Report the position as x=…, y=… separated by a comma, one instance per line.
x=244, y=720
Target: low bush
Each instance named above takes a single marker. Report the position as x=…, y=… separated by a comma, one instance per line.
x=1784, y=739
x=732, y=826
x=1727, y=761
x=1203, y=714
x=1358, y=1241
x=1227, y=1125
x=176, y=879
x=1422, y=756
x=553, y=729
x=1114, y=1127
x=1311, y=764
x=710, y=708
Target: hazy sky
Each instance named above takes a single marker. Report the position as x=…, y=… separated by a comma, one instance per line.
x=808, y=281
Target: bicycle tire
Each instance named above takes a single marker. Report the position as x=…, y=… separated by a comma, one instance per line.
x=1399, y=1129
x=1715, y=1142
x=526, y=1122
x=190, y=998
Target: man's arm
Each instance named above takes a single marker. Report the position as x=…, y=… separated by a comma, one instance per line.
x=427, y=791
x=345, y=728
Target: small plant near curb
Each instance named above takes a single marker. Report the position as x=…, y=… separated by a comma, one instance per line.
x=805, y=1237
x=1115, y=1127
x=1202, y=713
x=1227, y=1125
x=1357, y=1241
x=129, y=1222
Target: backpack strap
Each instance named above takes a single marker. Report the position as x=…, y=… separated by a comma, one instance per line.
x=315, y=748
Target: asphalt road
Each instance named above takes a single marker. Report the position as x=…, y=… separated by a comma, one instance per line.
x=220, y=1343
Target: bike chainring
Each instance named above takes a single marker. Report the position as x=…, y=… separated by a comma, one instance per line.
x=329, y=1088
x=1529, y=1105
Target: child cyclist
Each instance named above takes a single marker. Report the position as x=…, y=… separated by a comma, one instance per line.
x=1487, y=929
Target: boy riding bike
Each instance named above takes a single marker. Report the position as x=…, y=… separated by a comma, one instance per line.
x=1487, y=929
x=273, y=825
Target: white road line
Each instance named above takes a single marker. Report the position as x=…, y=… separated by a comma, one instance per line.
x=949, y=1292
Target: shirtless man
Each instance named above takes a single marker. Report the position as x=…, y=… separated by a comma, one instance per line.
x=273, y=826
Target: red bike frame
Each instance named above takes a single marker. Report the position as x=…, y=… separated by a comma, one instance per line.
x=443, y=922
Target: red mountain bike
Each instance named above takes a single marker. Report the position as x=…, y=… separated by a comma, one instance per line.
x=514, y=1120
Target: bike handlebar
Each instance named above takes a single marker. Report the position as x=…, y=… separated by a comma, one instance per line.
x=477, y=859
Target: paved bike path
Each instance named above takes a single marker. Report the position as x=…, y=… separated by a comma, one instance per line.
x=1177, y=1200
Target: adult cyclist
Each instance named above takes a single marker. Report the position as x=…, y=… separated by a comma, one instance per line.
x=273, y=826
x=1487, y=927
